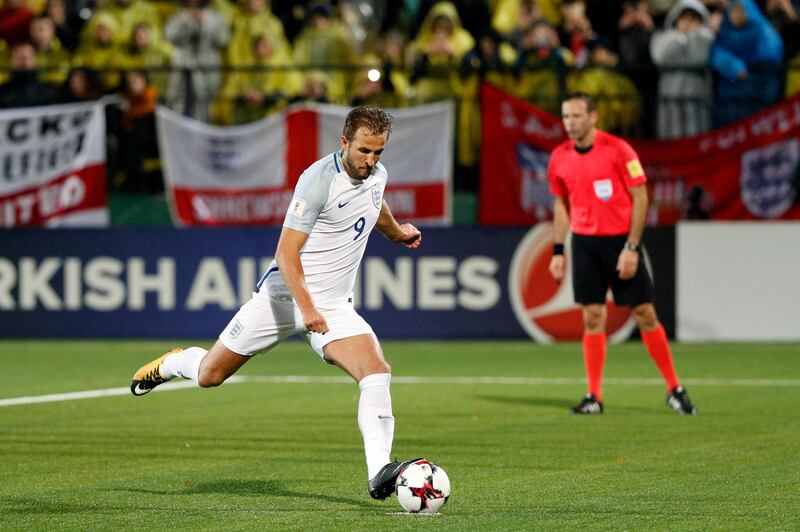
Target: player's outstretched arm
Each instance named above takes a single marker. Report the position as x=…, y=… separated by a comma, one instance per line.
x=405, y=234
x=288, y=258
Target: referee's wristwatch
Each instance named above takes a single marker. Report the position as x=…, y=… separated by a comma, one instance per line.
x=631, y=246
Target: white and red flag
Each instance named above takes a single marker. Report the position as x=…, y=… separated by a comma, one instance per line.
x=245, y=175
x=53, y=166
x=748, y=170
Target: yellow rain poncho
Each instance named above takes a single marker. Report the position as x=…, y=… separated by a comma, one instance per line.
x=442, y=79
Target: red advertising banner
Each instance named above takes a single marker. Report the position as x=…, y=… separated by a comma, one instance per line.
x=746, y=171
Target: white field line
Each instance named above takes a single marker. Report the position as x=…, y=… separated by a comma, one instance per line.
x=308, y=379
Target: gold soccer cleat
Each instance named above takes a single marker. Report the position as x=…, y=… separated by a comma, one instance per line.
x=149, y=375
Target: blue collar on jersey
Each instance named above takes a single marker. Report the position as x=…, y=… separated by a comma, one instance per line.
x=337, y=156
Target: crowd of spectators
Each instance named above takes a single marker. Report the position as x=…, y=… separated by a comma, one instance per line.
x=658, y=68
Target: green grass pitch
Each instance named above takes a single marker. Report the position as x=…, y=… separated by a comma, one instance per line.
x=264, y=454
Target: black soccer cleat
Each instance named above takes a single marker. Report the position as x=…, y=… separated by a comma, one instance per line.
x=382, y=484
x=589, y=405
x=679, y=401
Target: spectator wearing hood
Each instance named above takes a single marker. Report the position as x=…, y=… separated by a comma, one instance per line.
x=616, y=98
x=681, y=52
x=199, y=36
x=748, y=55
x=126, y=15
x=131, y=13
x=326, y=53
x=266, y=86
x=475, y=15
x=436, y=53
x=101, y=51
x=256, y=20
x=145, y=51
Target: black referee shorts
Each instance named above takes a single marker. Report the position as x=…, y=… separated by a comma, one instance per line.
x=594, y=270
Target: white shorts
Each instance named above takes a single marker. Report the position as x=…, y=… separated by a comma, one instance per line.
x=266, y=320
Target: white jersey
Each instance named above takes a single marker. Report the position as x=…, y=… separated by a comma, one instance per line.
x=338, y=214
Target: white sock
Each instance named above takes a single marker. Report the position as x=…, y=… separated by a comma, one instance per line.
x=375, y=420
x=185, y=364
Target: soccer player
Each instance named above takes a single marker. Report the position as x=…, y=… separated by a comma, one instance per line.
x=308, y=289
x=600, y=194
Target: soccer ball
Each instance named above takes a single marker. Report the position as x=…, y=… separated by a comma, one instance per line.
x=422, y=487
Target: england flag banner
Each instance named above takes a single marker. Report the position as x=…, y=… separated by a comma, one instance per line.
x=749, y=170
x=245, y=175
x=53, y=166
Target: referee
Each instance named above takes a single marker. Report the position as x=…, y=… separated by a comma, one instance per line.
x=600, y=194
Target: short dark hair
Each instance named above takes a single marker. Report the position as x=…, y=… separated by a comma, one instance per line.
x=587, y=99
x=375, y=120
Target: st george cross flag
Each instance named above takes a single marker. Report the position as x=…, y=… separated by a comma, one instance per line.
x=749, y=170
x=245, y=175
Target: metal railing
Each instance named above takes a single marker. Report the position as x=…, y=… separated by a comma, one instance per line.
x=630, y=108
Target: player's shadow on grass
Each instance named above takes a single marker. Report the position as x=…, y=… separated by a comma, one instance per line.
x=529, y=401
x=33, y=506
x=250, y=488
x=561, y=404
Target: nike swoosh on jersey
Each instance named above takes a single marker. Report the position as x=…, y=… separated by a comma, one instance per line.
x=343, y=204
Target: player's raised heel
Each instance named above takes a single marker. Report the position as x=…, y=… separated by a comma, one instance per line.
x=678, y=400
x=149, y=375
x=589, y=405
x=382, y=484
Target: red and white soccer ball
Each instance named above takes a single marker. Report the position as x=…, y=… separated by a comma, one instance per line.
x=422, y=487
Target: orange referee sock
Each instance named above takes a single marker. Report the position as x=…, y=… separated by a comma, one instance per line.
x=594, y=358
x=657, y=346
